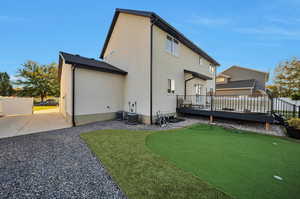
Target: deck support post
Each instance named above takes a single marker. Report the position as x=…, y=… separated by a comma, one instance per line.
x=211, y=119
x=267, y=126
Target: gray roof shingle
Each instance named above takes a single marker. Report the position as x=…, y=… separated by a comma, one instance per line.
x=91, y=64
x=198, y=75
x=237, y=84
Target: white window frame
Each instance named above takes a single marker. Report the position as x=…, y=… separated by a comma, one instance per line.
x=172, y=46
x=171, y=86
x=169, y=44
x=211, y=68
x=175, y=47
x=200, y=60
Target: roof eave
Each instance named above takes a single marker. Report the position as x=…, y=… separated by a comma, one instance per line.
x=198, y=75
x=99, y=69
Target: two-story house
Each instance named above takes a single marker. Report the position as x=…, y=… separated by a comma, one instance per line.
x=145, y=63
x=238, y=80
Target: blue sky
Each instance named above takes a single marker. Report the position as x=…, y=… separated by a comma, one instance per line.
x=257, y=34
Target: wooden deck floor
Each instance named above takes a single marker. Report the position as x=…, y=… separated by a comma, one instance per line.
x=255, y=117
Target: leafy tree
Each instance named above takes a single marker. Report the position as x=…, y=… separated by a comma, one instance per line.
x=6, y=88
x=287, y=77
x=38, y=80
x=274, y=90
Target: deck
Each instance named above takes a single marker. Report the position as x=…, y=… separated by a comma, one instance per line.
x=254, y=117
x=247, y=108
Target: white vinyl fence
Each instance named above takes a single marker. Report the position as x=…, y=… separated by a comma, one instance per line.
x=15, y=106
x=289, y=100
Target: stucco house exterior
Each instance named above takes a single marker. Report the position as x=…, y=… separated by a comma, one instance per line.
x=145, y=62
x=238, y=80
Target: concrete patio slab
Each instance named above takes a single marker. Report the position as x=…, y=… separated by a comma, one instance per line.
x=26, y=124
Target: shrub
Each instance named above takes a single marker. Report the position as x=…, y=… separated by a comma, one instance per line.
x=296, y=96
x=294, y=122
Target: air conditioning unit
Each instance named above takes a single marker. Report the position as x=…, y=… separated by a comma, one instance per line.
x=132, y=118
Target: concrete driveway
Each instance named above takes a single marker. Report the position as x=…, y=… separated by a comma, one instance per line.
x=27, y=124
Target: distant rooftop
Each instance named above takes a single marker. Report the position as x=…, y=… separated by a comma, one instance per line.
x=250, y=83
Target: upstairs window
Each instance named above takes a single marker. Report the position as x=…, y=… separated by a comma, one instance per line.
x=169, y=44
x=200, y=60
x=171, y=86
x=211, y=68
x=172, y=46
x=175, y=47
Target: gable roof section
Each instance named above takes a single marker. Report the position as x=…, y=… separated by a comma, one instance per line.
x=158, y=21
x=91, y=64
x=250, y=83
x=250, y=69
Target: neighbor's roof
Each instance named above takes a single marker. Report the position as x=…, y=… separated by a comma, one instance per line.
x=91, y=64
x=250, y=83
x=158, y=21
x=198, y=75
x=250, y=69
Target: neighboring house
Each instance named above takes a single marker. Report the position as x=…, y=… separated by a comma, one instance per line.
x=237, y=80
x=147, y=62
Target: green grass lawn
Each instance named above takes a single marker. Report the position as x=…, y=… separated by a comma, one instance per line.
x=241, y=164
x=39, y=108
x=200, y=161
x=142, y=174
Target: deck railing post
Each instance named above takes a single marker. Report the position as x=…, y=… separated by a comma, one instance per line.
x=177, y=101
x=211, y=102
x=294, y=110
x=272, y=105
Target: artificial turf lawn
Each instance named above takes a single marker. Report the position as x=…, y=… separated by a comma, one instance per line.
x=164, y=164
x=142, y=174
x=239, y=163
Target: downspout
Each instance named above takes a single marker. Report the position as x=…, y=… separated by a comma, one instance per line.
x=151, y=68
x=73, y=95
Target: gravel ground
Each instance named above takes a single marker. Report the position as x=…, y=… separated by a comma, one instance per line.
x=58, y=164
x=275, y=130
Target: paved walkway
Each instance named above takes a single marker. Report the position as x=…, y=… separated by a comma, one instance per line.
x=27, y=124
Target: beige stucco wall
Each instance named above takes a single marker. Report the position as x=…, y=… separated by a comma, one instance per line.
x=167, y=66
x=234, y=92
x=65, y=102
x=129, y=49
x=97, y=93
